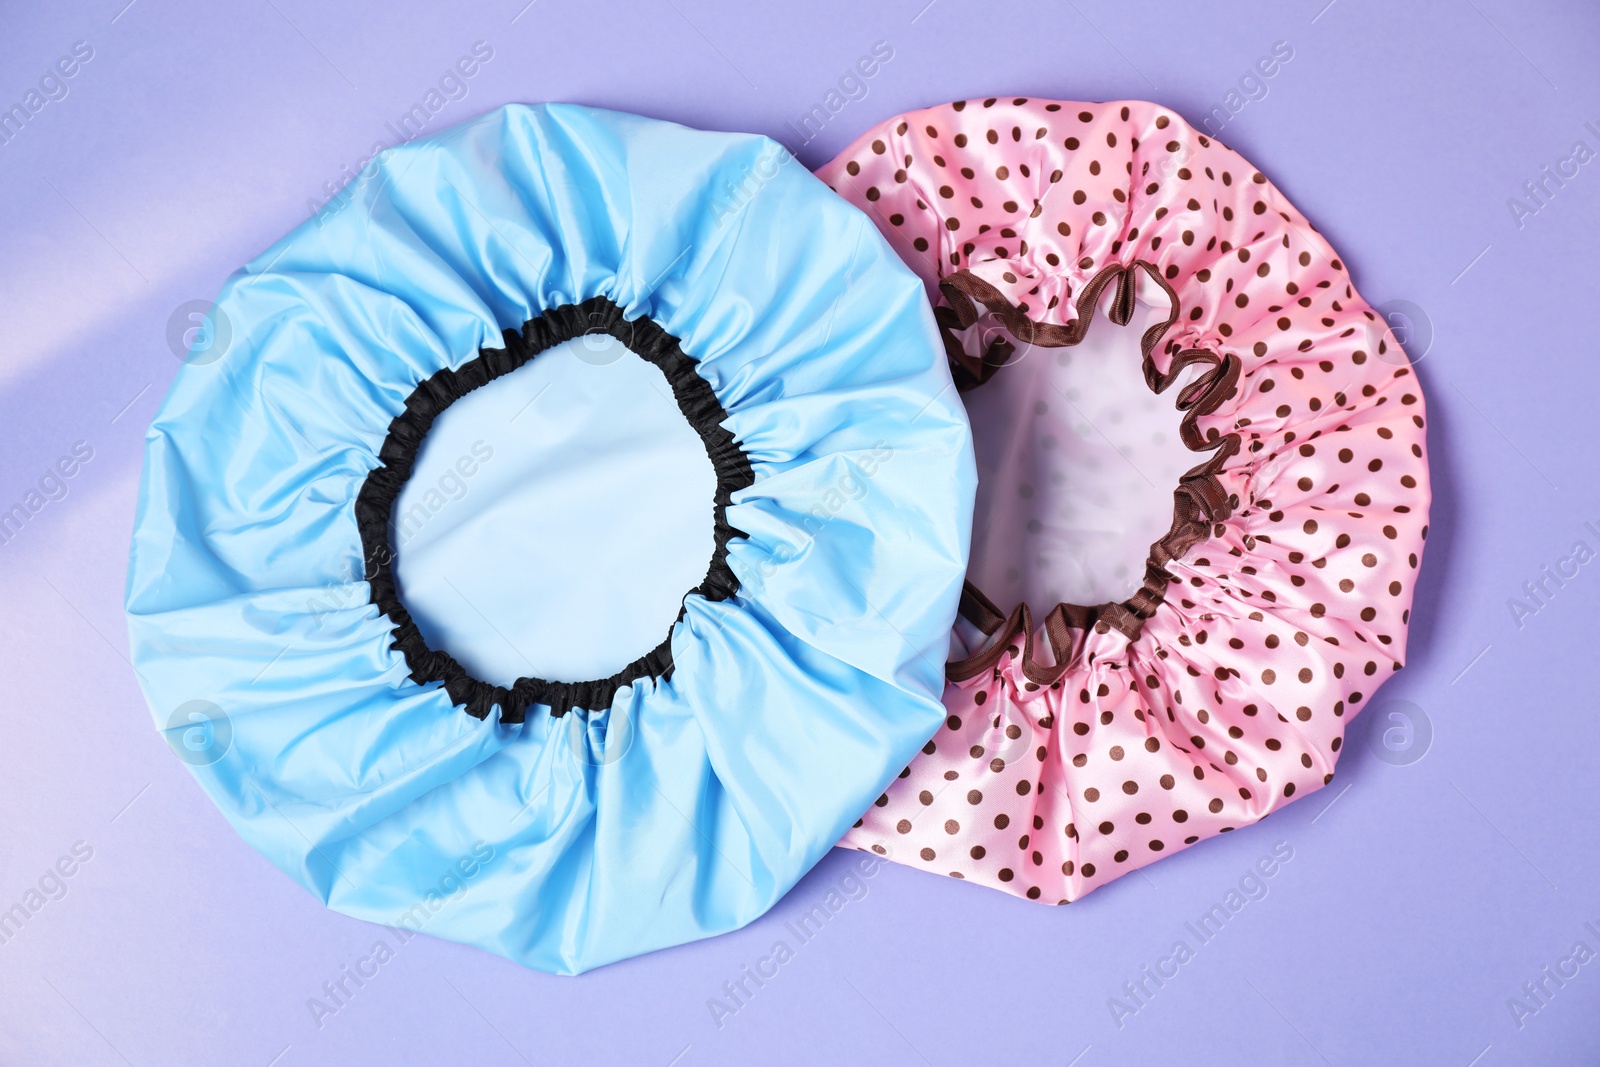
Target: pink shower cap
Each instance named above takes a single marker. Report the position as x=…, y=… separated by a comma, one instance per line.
x=1278, y=599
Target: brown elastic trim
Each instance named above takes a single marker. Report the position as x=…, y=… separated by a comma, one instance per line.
x=1199, y=501
x=981, y=612
x=964, y=290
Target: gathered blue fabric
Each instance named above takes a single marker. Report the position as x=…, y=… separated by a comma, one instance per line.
x=562, y=837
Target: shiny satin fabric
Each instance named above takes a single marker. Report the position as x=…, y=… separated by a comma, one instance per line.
x=691, y=804
x=1118, y=733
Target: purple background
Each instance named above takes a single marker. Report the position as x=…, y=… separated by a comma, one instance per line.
x=1420, y=897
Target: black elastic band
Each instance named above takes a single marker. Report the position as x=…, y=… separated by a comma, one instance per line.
x=375, y=502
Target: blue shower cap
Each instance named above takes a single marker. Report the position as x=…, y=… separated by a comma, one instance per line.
x=335, y=638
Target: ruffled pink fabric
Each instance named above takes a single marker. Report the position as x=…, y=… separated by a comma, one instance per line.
x=1280, y=602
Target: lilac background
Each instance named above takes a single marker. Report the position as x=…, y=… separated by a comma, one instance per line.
x=1420, y=897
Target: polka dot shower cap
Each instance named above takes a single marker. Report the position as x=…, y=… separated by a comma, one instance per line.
x=1129, y=306
x=561, y=553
